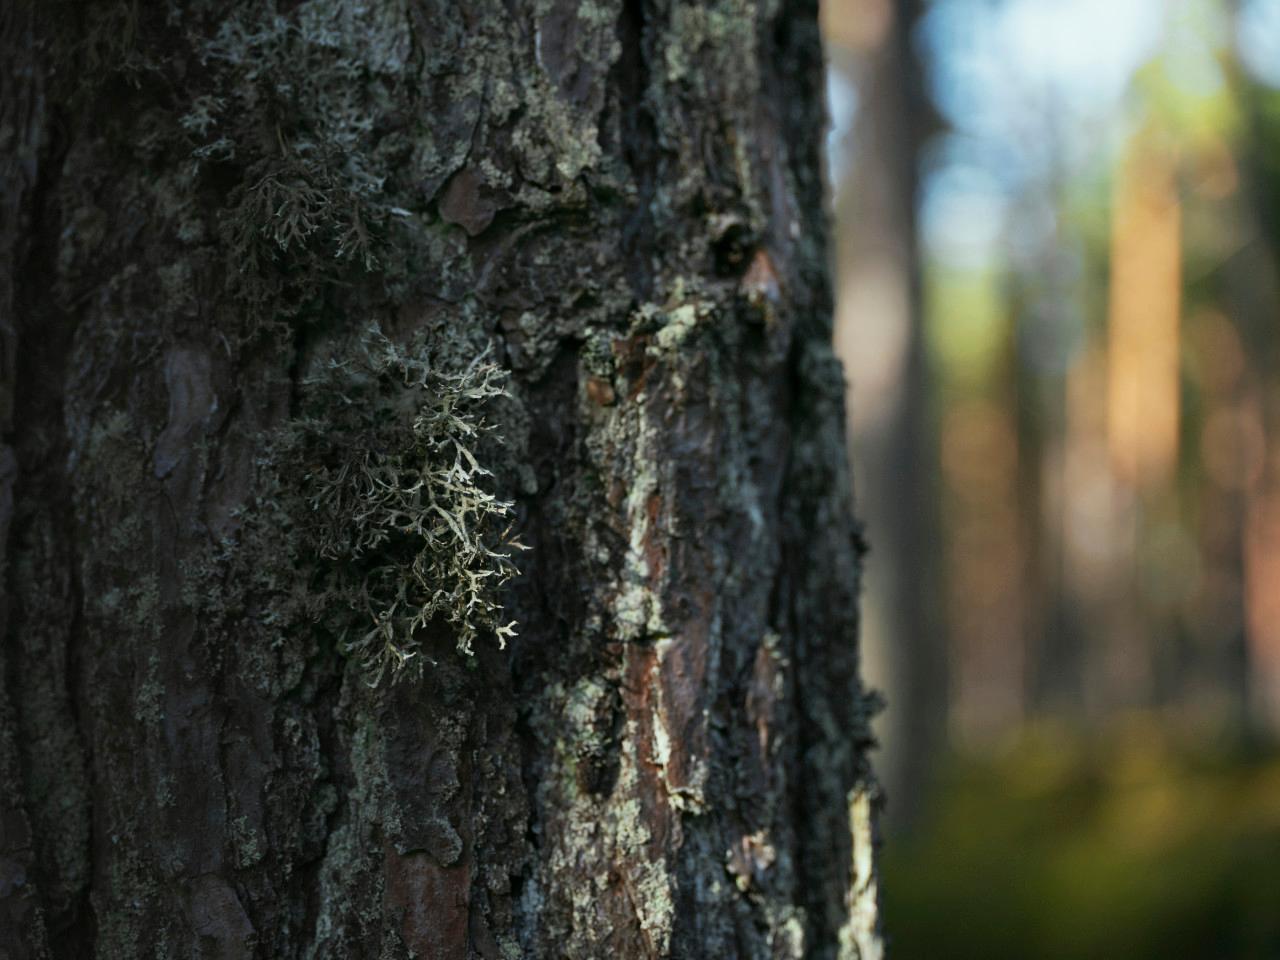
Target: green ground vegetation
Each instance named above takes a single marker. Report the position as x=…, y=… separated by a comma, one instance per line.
x=1117, y=845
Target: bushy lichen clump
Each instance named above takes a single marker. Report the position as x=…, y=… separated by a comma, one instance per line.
x=310, y=192
x=400, y=522
x=289, y=134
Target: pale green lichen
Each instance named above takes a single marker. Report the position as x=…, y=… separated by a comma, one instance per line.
x=282, y=118
x=246, y=841
x=399, y=519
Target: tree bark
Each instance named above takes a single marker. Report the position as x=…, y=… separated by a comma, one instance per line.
x=253, y=257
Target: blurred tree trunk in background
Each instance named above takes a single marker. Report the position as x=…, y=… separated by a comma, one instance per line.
x=1253, y=289
x=880, y=337
x=253, y=256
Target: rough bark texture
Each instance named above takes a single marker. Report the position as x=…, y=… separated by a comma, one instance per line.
x=206, y=208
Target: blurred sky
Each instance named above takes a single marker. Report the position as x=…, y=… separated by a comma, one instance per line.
x=1034, y=86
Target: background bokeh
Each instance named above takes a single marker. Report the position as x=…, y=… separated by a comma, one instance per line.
x=1058, y=228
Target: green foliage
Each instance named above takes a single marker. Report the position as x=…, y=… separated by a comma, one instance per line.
x=1126, y=846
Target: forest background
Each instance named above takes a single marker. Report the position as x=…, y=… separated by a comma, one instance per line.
x=1059, y=223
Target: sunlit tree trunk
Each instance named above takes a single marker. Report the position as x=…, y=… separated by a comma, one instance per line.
x=1254, y=292
x=302, y=305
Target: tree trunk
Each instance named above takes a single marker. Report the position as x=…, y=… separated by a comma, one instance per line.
x=880, y=337
x=310, y=312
